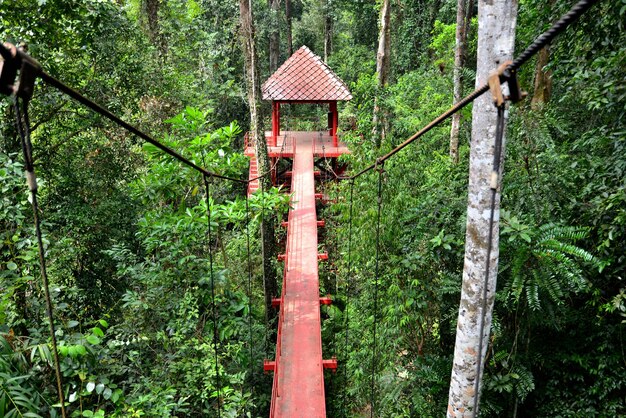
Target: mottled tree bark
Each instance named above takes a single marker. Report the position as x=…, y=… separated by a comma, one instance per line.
x=496, y=35
x=154, y=31
x=328, y=30
x=463, y=14
x=274, y=47
x=543, y=79
x=382, y=70
x=435, y=5
x=268, y=241
x=289, y=32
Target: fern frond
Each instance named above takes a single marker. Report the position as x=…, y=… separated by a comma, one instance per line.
x=562, y=233
x=525, y=382
x=532, y=296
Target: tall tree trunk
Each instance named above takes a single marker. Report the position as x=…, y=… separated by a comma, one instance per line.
x=274, y=51
x=154, y=31
x=435, y=6
x=543, y=79
x=496, y=35
x=268, y=241
x=382, y=70
x=328, y=30
x=462, y=21
x=289, y=34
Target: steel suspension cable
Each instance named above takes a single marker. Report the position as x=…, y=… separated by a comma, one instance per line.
x=495, y=178
x=23, y=128
x=267, y=314
x=376, y=279
x=348, y=288
x=18, y=57
x=213, y=306
x=335, y=267
x=541, y=41
x=130, y=128
x=249, y=293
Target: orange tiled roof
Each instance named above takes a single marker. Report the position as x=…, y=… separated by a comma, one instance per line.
x=304, y=77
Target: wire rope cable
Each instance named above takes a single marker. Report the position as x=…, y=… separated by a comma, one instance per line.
x=23, y=128
x=347, y=309
x=267, y=314
x=207, y=191
x=249, y=260
x=376, y=279
x=542, y=40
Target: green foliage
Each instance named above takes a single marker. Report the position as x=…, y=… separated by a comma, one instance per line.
x=544, y=262
x=125, y=226
x=19, y=396
x=442, y=45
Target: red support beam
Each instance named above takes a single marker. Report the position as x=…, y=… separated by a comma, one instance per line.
x=326, y=300
x=269, y=366
x=330, y=364
x=320, y=224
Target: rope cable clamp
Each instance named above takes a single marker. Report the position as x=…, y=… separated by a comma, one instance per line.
x=9, y=65
x=14, y=59
x=504, y=73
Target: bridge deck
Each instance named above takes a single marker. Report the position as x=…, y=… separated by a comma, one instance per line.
x=322, y=144
x=298, y=389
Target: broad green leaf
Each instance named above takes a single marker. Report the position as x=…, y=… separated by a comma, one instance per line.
x=97, y=332
x=93, y=340
x=107, y=393
x=99, y=388
x=90, y=386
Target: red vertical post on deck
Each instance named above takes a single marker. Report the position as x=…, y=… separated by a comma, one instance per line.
x=275, y=122
x=334, y=122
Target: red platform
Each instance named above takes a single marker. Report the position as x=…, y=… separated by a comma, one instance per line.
x=321, y=140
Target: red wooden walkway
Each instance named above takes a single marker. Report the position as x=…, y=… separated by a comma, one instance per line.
x=298, y=389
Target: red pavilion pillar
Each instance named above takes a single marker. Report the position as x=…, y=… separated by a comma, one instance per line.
x=334, y=122
x=275, y=122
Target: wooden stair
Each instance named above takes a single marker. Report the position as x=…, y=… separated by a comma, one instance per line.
x=253, y=186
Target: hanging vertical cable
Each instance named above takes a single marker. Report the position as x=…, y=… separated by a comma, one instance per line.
x=335, y=268
x=23, y=128
x=495, y=178
x=213, y=306
x=347, y=290
x=376, y=278
x=267, y=323
x=249, y=294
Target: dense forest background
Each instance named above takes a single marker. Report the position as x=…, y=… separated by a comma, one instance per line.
x=125, y=227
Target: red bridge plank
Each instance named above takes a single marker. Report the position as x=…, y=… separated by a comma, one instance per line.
x=298, y=389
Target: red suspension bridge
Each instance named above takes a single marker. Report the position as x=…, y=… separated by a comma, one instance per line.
x=298, y=386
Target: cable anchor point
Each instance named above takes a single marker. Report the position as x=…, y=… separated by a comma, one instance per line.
x=502, y=74
x=14, y=59
x=380, y=165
